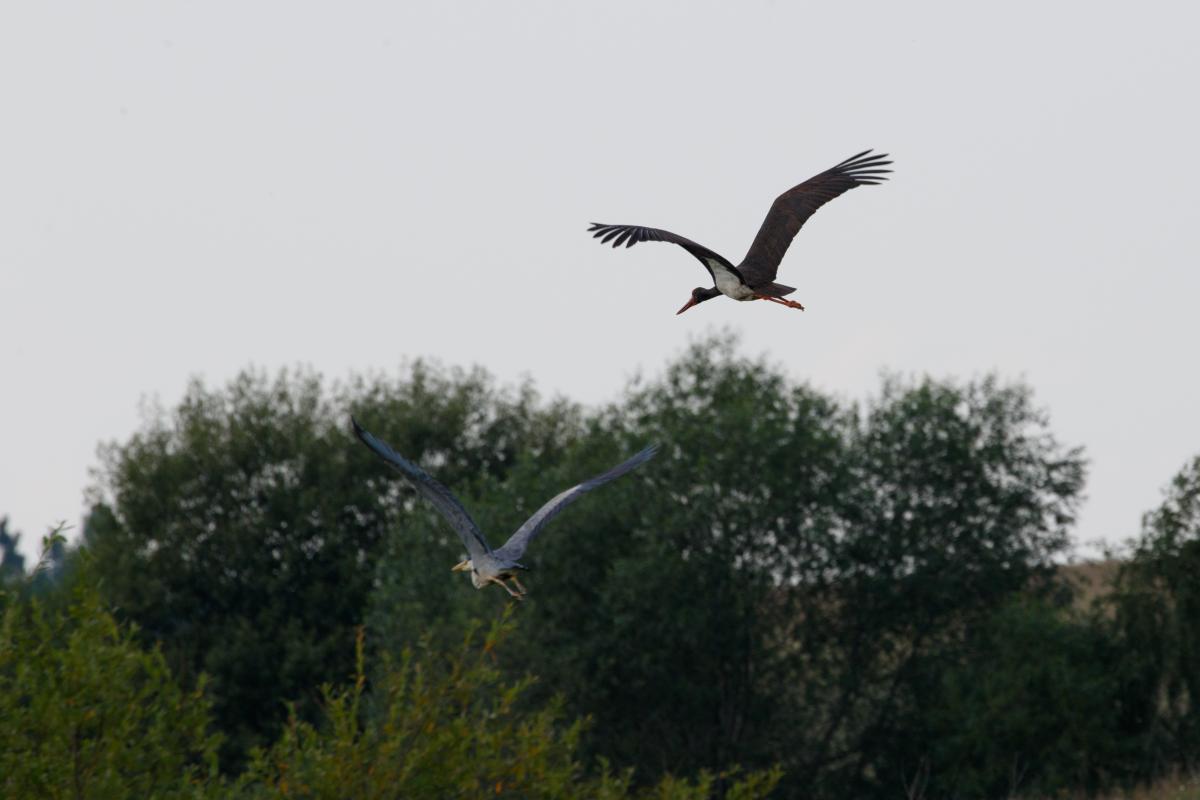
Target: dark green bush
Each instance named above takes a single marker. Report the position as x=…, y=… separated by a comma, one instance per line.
x=438, y=724
x=1036, y=709
x=1157, y=606
x=87, y=713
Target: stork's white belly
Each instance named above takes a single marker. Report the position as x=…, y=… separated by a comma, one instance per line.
x=728, y=283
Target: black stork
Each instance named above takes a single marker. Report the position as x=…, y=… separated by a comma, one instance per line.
x=754, y=278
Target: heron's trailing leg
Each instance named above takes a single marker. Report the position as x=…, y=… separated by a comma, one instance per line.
x=520, y=588
x=781, y=301
x=508, y=589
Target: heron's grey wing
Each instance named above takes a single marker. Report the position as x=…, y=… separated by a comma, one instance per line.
x=514, y=548
x=793, y=208
x=431, y=490
x=629, y=235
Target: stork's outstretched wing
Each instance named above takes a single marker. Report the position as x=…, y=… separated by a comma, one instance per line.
x=629, y=235
x=793, y=208
x=431, y=490
x=514, y=548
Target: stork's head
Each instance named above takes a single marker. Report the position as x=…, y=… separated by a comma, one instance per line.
x=699, y=295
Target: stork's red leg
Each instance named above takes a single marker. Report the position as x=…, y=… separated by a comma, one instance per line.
x=781, y=301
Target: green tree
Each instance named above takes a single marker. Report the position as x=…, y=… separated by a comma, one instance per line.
x=662, y=605
x=241, y=531
x=961, y=497
x=1157, y=604
x=448, y=724
x=88, y=713
x=788, y=577
x=12, y=563
x=1037, y=709
x=791, y=578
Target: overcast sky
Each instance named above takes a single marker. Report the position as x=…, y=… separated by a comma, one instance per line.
x=188, y=189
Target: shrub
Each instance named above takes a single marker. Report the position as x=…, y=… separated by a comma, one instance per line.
x=88, y=713
x=438, y=724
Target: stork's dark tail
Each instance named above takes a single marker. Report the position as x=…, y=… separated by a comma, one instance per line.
x=774, y=289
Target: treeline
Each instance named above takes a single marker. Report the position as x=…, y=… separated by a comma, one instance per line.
x=849, y=600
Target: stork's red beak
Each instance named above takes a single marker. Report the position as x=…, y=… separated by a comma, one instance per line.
x=691, y=302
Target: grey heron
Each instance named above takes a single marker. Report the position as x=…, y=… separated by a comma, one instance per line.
x=485, y=564
x=754, y=278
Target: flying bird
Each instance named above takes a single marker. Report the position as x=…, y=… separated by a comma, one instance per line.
x=485, y=564
x=754, y=278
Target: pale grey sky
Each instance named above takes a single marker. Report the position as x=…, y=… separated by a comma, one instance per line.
x=191, y=188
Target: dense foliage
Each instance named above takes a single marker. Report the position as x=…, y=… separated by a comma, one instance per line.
x=250, y=511
x=781, y=582
x=89, y=713
x=12, y=563
x=448, y=725
x=1158, y=610
x=862, y=595
x=1037, y=707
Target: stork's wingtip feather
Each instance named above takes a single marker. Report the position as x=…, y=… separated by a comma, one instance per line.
x=854, y=157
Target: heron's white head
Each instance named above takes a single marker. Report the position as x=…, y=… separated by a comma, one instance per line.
x=469, y=566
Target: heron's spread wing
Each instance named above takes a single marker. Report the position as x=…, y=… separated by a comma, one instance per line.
x=629, y=235
x=514, y=548
x=793, y=208
x=431, y=490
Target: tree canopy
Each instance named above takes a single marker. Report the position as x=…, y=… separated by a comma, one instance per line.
x=242, y=531
x=12, y=563
x=796, y=580
x=1157, y=605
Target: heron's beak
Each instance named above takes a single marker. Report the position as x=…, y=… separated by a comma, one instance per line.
x=691, y=302
x=461, y=566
